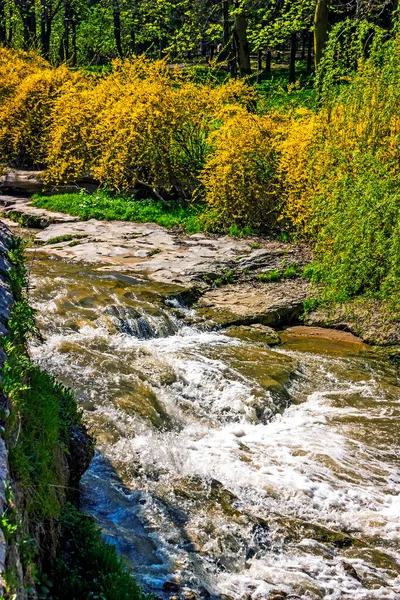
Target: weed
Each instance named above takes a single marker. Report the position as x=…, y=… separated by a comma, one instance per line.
x=225, y=278
x=291, y=272
x=274, y=275
x=65, y=238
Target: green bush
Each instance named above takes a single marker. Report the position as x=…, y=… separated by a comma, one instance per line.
x=358, y=245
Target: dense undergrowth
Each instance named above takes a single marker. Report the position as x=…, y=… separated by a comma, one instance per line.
x=61, y=550
x=321, y=163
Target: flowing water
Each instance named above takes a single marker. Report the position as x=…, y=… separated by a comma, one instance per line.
x=224, y=468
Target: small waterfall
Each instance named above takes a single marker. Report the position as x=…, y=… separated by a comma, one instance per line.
x=140, y=324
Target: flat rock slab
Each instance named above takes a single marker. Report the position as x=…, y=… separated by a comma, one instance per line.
x=268, y=304
x=160, y=254
x=22, y=211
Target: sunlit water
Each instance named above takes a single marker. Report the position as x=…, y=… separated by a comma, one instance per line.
x=225, y=467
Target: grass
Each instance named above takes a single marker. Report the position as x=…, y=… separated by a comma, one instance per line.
x=274, y=275
x=291, y=272
x=106, y=207
x=87, y=567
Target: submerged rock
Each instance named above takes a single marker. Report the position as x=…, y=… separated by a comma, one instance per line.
x=255, y=333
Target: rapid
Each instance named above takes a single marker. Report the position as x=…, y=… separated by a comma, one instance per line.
x=226, y=469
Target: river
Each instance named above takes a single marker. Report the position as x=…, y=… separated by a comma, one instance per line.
x=226, y=469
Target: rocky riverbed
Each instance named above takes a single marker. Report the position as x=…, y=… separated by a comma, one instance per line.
x=240, y=455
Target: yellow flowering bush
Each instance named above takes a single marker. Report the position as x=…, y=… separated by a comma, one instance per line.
x=240, y=176
x=143, y=122
x=26, y=107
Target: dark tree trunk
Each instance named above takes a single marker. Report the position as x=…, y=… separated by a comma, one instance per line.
x=226, y=41
x=321, y=21
x=292, y=65
x=117, y=27
x=28, y=15
x=259, y=66
x=309, y=52
x=3, y=29
x=132, y=40
x=304, y=45
x=241, y=41
x=45, y=29
x=74, y=45
x=268, y=64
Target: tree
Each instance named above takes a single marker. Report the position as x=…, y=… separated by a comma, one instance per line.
x=321, y=21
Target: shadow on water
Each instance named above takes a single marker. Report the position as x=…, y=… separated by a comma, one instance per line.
x=118, y=511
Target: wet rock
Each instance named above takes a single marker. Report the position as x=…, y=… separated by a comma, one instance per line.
x=255, y=333
x=81, y=452
x=270, y=304
x=372, y=320
x=144, y=403
x=350, y=570
x=171, y=586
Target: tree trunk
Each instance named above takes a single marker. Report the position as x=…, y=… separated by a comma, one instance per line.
x=321, y=21
x=3, y=29
x=45, y=29
x=117, y=27
x=292, y=65
x=226, y=41
x=259, y=66
x=241, y=41
x=74, y=45
x=28, y=15
x=309, y=52
x=304, y=45
x=268, y=64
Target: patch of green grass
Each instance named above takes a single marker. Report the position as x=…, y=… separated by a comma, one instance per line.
x=107, y=207
x=274, y=275
x=225, y=278
x=291, y=272
x=240, y=232
x=65, y=238
x=254, y=245
x=87, y=567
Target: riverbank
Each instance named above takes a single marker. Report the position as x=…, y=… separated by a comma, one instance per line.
x=47, y=547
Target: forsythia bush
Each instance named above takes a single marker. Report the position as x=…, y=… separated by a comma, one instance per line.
x=331, y=175
x=239, y=177
x=144, y=122
x=27, y=95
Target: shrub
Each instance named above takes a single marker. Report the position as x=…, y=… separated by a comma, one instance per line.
x=143, y=122
x=239, y=178
x=26, y=105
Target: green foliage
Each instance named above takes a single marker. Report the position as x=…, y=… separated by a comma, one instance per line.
x=87, y=567
x=65, y=238
x=42, y=412
x=274, y=275
x=105, y=206
x=225, y=278
x=358, y=247
x=291, y=272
